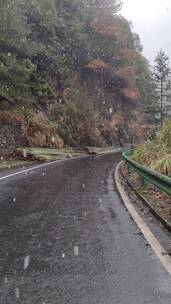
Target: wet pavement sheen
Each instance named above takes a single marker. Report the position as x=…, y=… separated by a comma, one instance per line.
x=67, y=239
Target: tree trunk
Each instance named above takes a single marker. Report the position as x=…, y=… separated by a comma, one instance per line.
x=161, y=103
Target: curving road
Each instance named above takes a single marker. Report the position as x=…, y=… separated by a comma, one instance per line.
x=67, y=239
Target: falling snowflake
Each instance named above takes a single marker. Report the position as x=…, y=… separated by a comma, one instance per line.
x=26, y=262
x=17, y=293
x=102, y=207
x=5, y=280
x=24, y=153
x=76, y=250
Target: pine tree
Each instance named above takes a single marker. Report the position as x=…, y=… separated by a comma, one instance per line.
x=162, y=80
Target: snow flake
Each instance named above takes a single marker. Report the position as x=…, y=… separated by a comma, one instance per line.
x=17, y=293
x=102, y=207
x=26, y=262
x=24, y=153
x=76, y=250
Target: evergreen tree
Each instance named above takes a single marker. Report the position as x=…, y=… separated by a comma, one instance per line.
x=162, y=80
x=16, y=69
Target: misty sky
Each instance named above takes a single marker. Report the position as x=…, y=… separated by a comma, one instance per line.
x=151, y=19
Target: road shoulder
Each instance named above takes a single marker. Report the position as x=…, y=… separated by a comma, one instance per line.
x=154, y=243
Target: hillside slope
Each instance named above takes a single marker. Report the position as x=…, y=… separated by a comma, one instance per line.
x=71, y=73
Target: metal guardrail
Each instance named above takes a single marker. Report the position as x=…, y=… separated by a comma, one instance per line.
x=148, y=176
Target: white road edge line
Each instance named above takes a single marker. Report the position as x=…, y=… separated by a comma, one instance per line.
x=151, y=239
x=31, y=169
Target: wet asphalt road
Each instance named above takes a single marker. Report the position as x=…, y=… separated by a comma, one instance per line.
x=67, y=239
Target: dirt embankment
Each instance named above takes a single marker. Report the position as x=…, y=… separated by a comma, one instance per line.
x=11, y=137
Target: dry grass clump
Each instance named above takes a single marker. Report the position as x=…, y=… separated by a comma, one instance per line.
x=162, y=165
x=11, y=118
x=35, y=127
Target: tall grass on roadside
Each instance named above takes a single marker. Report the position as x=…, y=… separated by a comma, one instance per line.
x=156, y=153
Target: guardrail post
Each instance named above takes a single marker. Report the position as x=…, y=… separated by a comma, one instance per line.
x=129, y=169
x=144, y=183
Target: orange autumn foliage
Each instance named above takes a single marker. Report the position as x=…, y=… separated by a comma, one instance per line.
x=108, y=27
x=127, y=73
x=96, y=64
x=115, y=121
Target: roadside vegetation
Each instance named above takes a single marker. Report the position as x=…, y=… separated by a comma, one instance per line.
x=155, y=153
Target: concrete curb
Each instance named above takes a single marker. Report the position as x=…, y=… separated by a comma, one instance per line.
x=158, y=249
